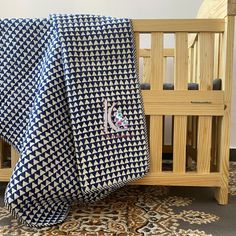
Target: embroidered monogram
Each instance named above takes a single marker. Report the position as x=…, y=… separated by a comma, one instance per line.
x=120, y=122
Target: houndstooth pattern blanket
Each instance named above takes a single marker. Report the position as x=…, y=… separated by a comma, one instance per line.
x=70, y=104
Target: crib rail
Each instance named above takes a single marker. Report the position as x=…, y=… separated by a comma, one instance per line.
x=184, y=102
x=178, y=25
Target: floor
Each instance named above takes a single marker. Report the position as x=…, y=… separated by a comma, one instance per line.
x=141, y=211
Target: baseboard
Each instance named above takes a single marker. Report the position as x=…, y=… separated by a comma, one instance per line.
x=232, y=154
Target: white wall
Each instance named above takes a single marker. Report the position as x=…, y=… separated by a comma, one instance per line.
x=119, y=8
x=116, y=8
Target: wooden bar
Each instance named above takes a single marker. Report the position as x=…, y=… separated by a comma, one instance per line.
x=180, y=121
x=195, y=63
x=227, y=73
x=221, y=65
x=167, y=52
x=190, y=65
x=156, y=121
x=137, y=45
x=164, y=68
x=216, y=56
x=5, y=174
x=14, y=157
x=206, y=62
x=156, y=61
x=182, y=109
x=178, y=25
x=183, y=102
x=195, y=131
x=214, y=140
x=178, y=179
x=189, y=97
x=1, y=153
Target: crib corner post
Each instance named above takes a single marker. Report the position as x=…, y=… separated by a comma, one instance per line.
x=221, y=193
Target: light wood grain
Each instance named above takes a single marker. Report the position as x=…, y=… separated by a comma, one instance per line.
x=5, y=174
x=137, y=45
x=216, y=55
x=156, y=143
x=195, y=63
x=206, y=62
x=190, y=64
x=1, y=152
x=156, y=61
x=146, y=70
x=180, y=82
x=167, y=52
x=14, y=157
x=159, y=102
x=164, y=69
x=178, y=25
x=156, y=122
x=227, y=60
x=182, y=109
x=178, y=179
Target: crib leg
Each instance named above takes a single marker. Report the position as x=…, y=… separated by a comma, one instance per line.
x=221, y=195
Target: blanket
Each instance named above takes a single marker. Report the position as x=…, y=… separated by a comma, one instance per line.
x=71, y=105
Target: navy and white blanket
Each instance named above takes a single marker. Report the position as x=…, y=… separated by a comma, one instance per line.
x=70, y=103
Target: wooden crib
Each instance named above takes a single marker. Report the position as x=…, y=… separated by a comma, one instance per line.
x=199, y=147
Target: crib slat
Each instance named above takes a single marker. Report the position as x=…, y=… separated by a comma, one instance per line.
x=156, y=143
x=156, y=84
x=221, y=63
x=157, y=61
x=194, y=62
x=164, y=68
x=206, y=62
x=137, y=45
x=180, y=122
x=1, y=153
x=14, y=157
x=190, y=65
x=195, y=129
x=216, y=56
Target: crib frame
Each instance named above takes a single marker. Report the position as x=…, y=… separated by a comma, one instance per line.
x=203, y=51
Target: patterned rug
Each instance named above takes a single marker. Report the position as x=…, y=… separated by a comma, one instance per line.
x=141, y=211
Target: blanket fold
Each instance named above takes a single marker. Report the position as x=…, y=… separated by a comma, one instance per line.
x=70, y=103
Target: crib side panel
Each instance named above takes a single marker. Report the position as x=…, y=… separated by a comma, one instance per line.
x=195, y=113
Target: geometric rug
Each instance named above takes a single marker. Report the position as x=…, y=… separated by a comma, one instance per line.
x=141, y=211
